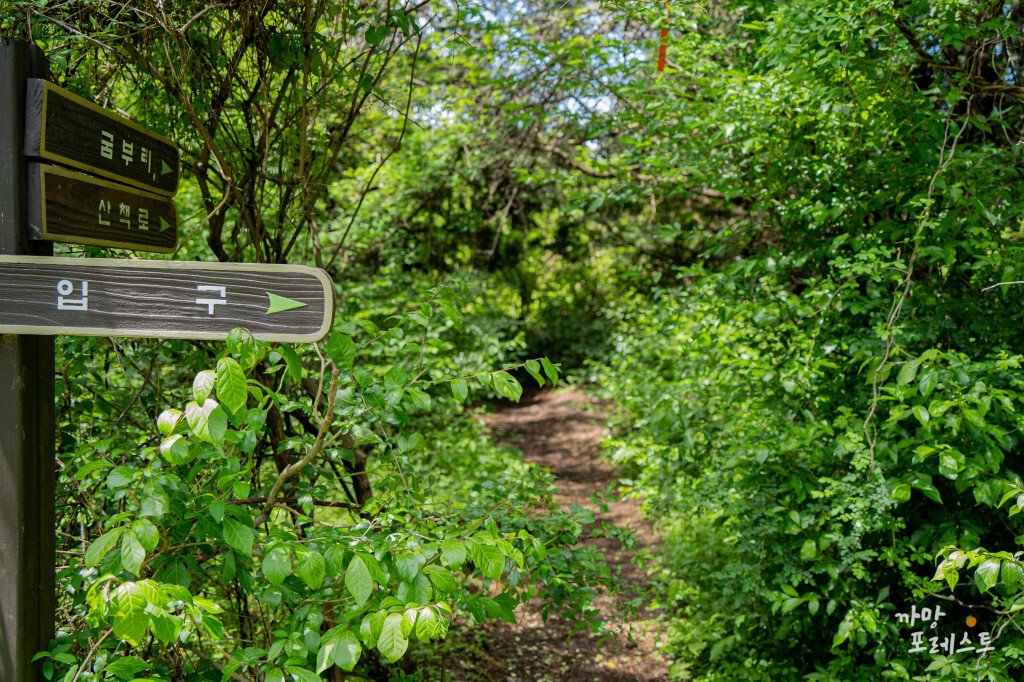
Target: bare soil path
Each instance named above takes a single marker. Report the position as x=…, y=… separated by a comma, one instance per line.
x=561, y=430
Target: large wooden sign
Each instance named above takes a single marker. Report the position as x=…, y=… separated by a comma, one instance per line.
x=63, y=127
x=65, y=206
x=163, y=299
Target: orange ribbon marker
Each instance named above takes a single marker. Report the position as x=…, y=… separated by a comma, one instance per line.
x=663, y=46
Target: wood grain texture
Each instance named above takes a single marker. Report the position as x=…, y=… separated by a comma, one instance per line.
x=64, y=206
x=27, y=465
x=63, y=127
x=162, y=299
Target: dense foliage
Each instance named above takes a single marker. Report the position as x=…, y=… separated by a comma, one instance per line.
x=791, y=258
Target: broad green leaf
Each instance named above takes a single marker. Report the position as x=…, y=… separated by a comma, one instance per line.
x=419, y=398
x=126, y=668
x=358, y=580
x=1010, y=573
x=231, y=388
x=342, y=350
x=550, y=370
x=311, y=567
x=441, y=577
x=238, y=536
x=908, y=371
x=454, y=553
x=302, y=675
x=175, y=449
x=103, y=544
x=175, y=573
x=416, y=591
x=809, y=550
x=506, y=385
x=340, y=646
x=147, y=533
x=128, y=618
x=533, y=367
x=202, y=386
x=392, y=642
x=922, y=414
x=167, y=420
x=429, y=625
x=217, y=508
x=901, y=493
x=208, y=423
x=276, y=565
x=490, y=561
x=459, y=390
x=89, y=467
x=293, y=361
x=409, y=564
x=987, y=574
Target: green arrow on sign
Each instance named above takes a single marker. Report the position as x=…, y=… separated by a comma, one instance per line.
x=164, y=168
x=164, y=224
x=280, y=304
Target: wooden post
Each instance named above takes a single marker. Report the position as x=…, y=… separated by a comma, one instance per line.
x=27, y=465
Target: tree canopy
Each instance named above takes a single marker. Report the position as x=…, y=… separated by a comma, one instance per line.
x=791, y=259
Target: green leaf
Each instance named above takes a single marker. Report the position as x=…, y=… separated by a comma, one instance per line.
x=392, y=642
x=409, y=564
x=302, y=675
x=506, y=385
x=922, y=414
x=217, y=508
x=1010, y=572
x=202, y=386
x=550, y=370
x=311, y=567
x=809, y=550
x=419, y=398
x=176, y=450
x=208, y=423
x=238, y=536
x=987, y=574
x=126, y=668
x=128, y=618
x=147, y=534
x=908, y=371
x=358, y=580
x=441, y=577
x=342, y=350
x=901, y=493
x=102, y=545
x=533, y=367
x=89, y=467
x=415, y=591
x=459, y=390
x=453, y=552
x=167, y=420
x=293, y=361
x=490, y=561
x=231, y=387
x=339, y=646
x=276, y=565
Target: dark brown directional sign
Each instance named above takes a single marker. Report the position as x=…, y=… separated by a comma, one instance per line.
x=163, y=299
x=65, y=206
x=63, y=127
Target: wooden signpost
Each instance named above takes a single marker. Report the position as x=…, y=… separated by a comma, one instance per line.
x=70, y=207
x=163, y=299
x=63, y=127
x=41, y=296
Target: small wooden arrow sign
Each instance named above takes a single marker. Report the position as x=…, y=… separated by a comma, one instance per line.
x=63, y=127
x=163, y=299
x=64, y=206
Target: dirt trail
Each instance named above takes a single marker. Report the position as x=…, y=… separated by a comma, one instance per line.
x=556, y=430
